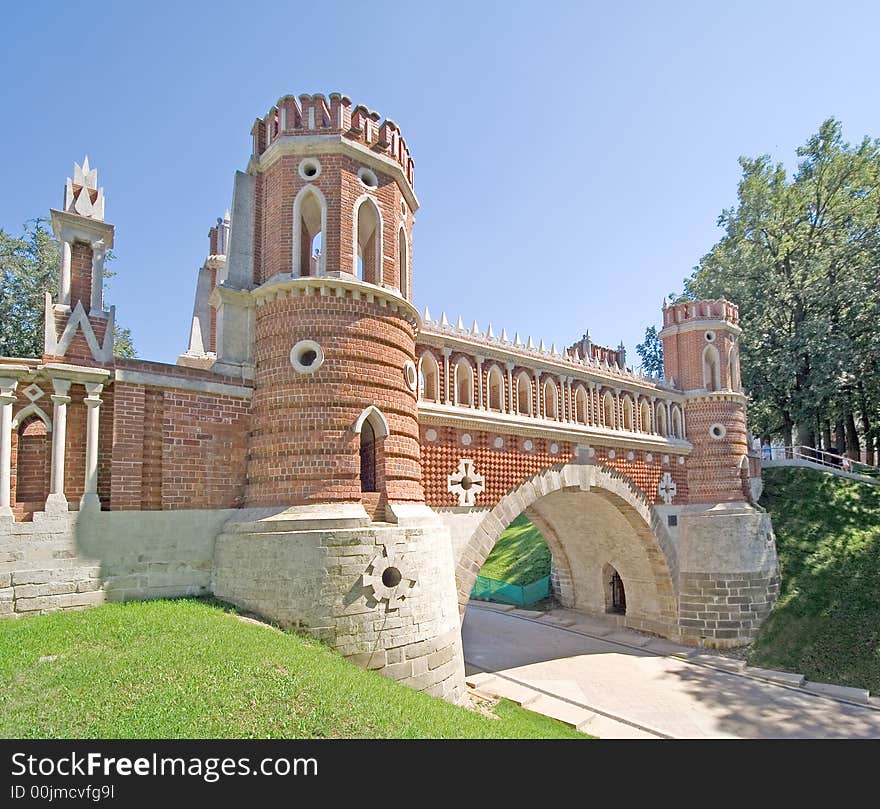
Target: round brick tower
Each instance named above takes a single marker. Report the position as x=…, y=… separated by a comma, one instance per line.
x=728, y=576
x=335, y=403
x=701, y=357
x=335, y=537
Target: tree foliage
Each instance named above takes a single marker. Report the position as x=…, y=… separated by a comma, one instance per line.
x=28, y=268
x=650, y=351
x=800, y=255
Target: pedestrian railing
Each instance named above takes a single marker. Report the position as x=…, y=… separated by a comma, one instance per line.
x=780, y=455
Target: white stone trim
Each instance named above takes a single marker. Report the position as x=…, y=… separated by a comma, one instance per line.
x=31, y=410
x=198, y=385
x=377, y=419
x=300, y=348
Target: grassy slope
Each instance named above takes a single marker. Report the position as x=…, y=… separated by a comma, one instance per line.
x=520, y=556
x=827, y=621
x=189, y=669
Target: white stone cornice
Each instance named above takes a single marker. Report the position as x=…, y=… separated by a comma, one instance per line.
x=76, y=373
x=182, y=383
x=70, y=227
x=708, y=323
x=716, y=396
x=334, y=144
x=491, y=421
x=326, y=285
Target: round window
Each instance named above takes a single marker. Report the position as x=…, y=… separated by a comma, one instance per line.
x=368, y=178
x=717, y=431
x=409, y=373
x=310, y=169
x=306, y=356
x=710, y=336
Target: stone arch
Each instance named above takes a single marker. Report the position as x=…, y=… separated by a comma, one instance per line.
x=309, y=221
x=677, y=422
x=33, y=462
x=608, y=415
x=610, y=521
x=26, y=413
x=629, y=412
x=733, y=368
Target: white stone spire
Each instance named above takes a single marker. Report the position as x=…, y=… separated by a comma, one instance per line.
x=82, y=195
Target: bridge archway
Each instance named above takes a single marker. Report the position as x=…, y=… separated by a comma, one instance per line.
x=593, y=519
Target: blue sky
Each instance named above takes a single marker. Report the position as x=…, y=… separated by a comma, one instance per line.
x=571, y=158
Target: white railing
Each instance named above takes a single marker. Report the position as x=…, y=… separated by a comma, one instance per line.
x=832, y=462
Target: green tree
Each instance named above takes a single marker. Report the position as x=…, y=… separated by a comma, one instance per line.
x=28, y=268
x=650, y=351
x=800, y=257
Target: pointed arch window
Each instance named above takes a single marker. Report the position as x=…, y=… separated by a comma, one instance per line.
x=711, y=369
x=523, y=394
x=495, y=384
x=645, y=416
x=628, y=413
x=309, y=225
x=368, y=241
x=608, y=410
x=429, y=378
x=403, y=263
x=372, y=429
x=464, y=383
x=580, y=405
x=662, y=428
x=677, y=425
x=551, y=400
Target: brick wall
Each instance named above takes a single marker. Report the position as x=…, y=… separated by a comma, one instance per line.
x=506, y=467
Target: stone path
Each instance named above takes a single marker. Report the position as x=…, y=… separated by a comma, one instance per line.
x=614, y=683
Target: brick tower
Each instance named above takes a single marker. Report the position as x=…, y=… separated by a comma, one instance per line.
x=315, y=308
x=729, y=575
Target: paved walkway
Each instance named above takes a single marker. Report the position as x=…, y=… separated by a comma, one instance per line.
x=620, y=684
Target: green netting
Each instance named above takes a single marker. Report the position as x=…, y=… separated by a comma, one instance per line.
x=501, y=592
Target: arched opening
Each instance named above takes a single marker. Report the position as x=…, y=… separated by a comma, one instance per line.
x=609, y=552
x=615, y=595
x=551, y=404
x=628, y=413
x=608, y=411
x=464, y=383
x=523, y=394
x=429, y=378
x=519, y=570
x=662, y=428
x=402, y=263
x=711, y=369
x=677, y=426
x=368, y=241
x=645, y=416
x=372, y=429
x=368, y=459
x=33, y=466
x=580, y=405
x=309, y=222
x=495, y=384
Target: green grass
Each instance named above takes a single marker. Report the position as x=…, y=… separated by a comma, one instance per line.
x=188, y=668
x=826, y=624
x=520, y=556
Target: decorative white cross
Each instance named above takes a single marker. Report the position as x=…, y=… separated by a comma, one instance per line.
x=667, y=488
x=465, y=482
